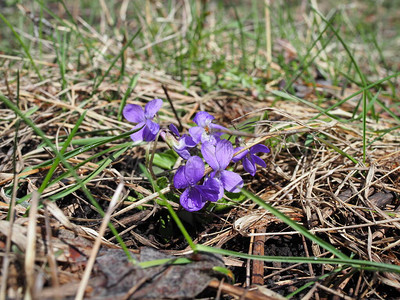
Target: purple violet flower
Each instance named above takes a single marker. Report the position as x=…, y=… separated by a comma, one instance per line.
x=144, y=119
x=205, y=131
x=250, y=159
x=218, y=157
x=195, y=196
x=184, y=142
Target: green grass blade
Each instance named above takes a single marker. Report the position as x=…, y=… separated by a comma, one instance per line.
x=89, y=147
x=299, y=228
x=26, y=50
x=10, y=213
x=305, y=66
x=40, y=133
x=287, y=96
x=364, y=120
x=338, y=150
x=387, y=109
x=362, y=90
x=57, y=159
x=72, y=20
x=360, y=74
x=114, y=62
x=170, y=209
x=384, y=132
x=355, y=263
x=371, y=103
x=77, y=166
x=92, y=175
x=131, y=86
x=101, y=153
x=60, y=51
x=351, y=56
x=165, y=261
x=243, y=59
x=312, y=282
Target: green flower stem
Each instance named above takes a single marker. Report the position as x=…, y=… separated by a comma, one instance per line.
x=170, y=210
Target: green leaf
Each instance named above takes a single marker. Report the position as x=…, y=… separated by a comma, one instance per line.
x=224, y=203
x=206, y=80
x=165, y=160
x=162, y=182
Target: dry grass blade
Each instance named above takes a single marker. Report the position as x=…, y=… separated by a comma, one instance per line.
x=31, y=248
x=89, y=266
x=242, y=293
x=294, y=91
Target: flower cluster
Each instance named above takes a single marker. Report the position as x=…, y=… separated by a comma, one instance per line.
x=202, y=145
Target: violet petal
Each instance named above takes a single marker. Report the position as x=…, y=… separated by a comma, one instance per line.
x=259, y=161
x=153, y=126
x=180, y=181
x=208, y=151
x=238, y=157
x=138, y=135
x=217, y=130
x=194, y=170
x=203, y=118
x=221, y=191
x=196, y=133
x=231, y=181
x=249, y=165
x=133, y=113
x=210, y=189
x=209, y=138
x=174, y=130
x=152, y=108
x=189, y=141
x=185, y=154
x=184, y=143
x=148, y=136
x=223, y=153
x=259, y=148
x=191, y=200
